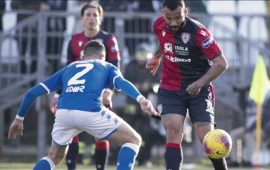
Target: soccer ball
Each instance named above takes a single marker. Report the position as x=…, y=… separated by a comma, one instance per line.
x=217, y=144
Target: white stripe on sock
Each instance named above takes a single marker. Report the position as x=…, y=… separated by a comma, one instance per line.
x=50, y=162
x=133, y=147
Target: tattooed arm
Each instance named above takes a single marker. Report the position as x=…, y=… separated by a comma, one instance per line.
x=158, y=52
x=219, y=66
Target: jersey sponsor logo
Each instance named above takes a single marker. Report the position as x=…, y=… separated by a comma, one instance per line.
x=180, y=50
x=207, y=42
x=75, y=89
x=204, y=33
x=175, y=59
x=168, y=47
x=163, y=33
x=185, y=37
x=80, y=43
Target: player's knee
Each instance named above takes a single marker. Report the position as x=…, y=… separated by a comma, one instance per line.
x=171, y=131
x=173, y=134
x=137, y=139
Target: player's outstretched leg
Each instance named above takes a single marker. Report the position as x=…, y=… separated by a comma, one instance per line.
x=101, y=154
x=202, y=128
x=219, y=164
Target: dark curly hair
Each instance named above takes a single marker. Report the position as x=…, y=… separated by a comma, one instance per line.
x=173, y=4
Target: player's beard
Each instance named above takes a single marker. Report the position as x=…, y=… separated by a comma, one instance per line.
x=174, y=28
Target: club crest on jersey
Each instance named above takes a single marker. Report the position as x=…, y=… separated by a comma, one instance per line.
x=185, y=37
x=168, y=47
x=163, y=33
x=80, y=43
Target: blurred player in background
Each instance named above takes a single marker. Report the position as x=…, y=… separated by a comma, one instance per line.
x=91, y=17
x=84, y=81
x=187, y=48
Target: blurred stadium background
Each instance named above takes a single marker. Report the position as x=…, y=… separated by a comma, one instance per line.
x=240, y=27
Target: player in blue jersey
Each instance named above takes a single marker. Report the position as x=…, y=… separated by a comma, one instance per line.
x=80, y=108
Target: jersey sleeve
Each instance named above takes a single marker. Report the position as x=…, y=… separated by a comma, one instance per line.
x=54, y=82
x=114, y=73
x=127, y=87
x=29, y=98
x=112, y=49
x=207, y=44
x=70, y=55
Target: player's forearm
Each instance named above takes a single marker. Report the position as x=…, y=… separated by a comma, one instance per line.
x=158, y=52
x=127, y=88
x=214, y=72
x=29, y=99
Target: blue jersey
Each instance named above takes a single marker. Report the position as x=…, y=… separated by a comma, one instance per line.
x=82, y=83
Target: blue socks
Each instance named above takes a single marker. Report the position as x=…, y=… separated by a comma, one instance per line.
x=126, y=156
x=44, y=164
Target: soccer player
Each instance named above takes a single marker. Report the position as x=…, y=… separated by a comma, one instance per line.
x=80, y=108
x=91, y=17
x=187, y=48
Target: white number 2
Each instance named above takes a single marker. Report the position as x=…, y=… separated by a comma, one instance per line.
x=74, y=80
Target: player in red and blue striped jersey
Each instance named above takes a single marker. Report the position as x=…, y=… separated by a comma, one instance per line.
x=187, y=48
x=80, y=108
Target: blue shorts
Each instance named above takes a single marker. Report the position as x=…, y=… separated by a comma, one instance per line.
x=200, y=107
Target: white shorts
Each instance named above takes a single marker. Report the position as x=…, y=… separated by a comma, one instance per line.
x=69, y=123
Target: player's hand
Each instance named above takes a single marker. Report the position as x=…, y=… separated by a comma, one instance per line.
x=53, y=105
x=15, y=128
x=194, y=88
x=153, y=64
x=107, y=97
x=147, y=107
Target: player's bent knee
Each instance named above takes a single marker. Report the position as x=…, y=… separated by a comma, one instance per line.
x=137, y=139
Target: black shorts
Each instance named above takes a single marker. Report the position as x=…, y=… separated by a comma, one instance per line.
x=200, y=107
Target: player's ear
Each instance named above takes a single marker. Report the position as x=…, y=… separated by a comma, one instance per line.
x=185, y=11
x=162, y=11
x=102, y=57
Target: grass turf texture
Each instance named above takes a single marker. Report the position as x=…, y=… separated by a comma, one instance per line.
x=62, y=166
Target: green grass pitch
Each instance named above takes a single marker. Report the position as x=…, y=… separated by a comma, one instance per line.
x=62, y=166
